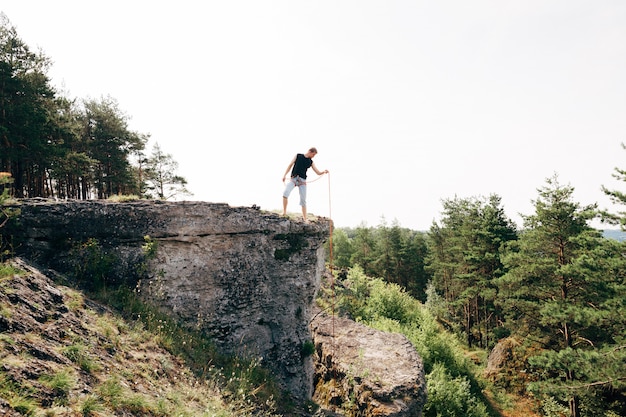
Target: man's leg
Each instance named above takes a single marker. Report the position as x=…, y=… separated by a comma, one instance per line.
x=302, y=190
x=288, y=189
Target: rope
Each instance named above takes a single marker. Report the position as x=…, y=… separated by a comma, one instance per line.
x=330, y=258
x=332, y=277
x=332, y=282
x=307, y=181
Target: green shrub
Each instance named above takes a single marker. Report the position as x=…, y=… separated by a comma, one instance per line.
x=18, y=396
x=7, y=271
x=391, y=301
x=120, y=198
x=136, y=404
x=92, y=265
x=307, y=349
x=389, y=308
x=451, y=396
x=23, y=405
x=110, y=391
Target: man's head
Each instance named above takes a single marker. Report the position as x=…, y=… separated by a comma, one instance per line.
x=311, y=152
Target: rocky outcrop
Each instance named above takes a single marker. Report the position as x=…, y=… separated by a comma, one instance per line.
x=365, y=372
x=246, y=277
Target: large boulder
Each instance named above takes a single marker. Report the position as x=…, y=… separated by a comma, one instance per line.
x=364, y=372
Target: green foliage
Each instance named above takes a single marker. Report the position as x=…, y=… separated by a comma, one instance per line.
x=18, y=396
x=391, y=301
x=451, y=396
x=388, y=307
x=464, y=259
x=564, y=288
x=79, y=354
x=6, y=213
x=393, y=253
x=307, y=348
x=58, y=147
x=92, y=264
x=342, y=249
x=617, y=197
x=8, y=271
x=163, y=182
x=552, y=408
x=61, y=383
x=123, y=198
x=91, y=406
x=23, y=405
x=110, y=391
x=150, y=247
x=245, y=382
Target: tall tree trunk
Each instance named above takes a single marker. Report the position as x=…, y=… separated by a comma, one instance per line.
x=467, y=308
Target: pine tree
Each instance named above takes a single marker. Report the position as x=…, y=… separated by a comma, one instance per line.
x=163, y=181
x=617, y=197
x=563, y=291
x=465, y=259
x=26, y=105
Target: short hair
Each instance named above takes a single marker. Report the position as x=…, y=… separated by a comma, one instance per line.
x=313, y=150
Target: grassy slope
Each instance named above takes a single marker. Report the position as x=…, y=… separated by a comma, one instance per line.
x=64, y=355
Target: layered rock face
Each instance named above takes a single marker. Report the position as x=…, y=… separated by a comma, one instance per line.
x=245, y=277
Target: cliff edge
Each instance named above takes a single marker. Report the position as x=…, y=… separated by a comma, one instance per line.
x=245, y=277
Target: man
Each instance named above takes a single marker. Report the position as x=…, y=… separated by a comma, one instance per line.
x=298, y=167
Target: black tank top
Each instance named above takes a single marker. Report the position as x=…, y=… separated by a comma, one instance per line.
x=302, y=164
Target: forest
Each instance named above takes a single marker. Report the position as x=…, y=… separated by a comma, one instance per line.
x=554, y=289
x=58, y=147
x=552, y=292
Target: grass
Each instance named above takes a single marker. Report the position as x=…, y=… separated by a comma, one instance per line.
x=128, y=359
x=90, y=406
x=61, y=383
x=7, y=271
x=17, y=396
x=117, y=198
x=78, y=353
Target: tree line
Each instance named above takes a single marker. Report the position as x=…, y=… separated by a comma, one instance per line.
x=556, y=286
x=53, y=146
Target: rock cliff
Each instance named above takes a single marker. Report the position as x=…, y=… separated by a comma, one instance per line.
x=246, y=277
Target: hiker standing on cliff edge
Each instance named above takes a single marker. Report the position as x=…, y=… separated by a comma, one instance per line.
x=298, y=166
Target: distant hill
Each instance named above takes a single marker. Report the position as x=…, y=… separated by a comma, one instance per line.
x=616, y=234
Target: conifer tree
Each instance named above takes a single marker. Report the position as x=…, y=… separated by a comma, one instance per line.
x=465, y=260
x=617, y=197
x=563, y=292
x=26, y=102
x=163, y=181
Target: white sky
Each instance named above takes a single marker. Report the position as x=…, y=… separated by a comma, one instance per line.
x=408, y=102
